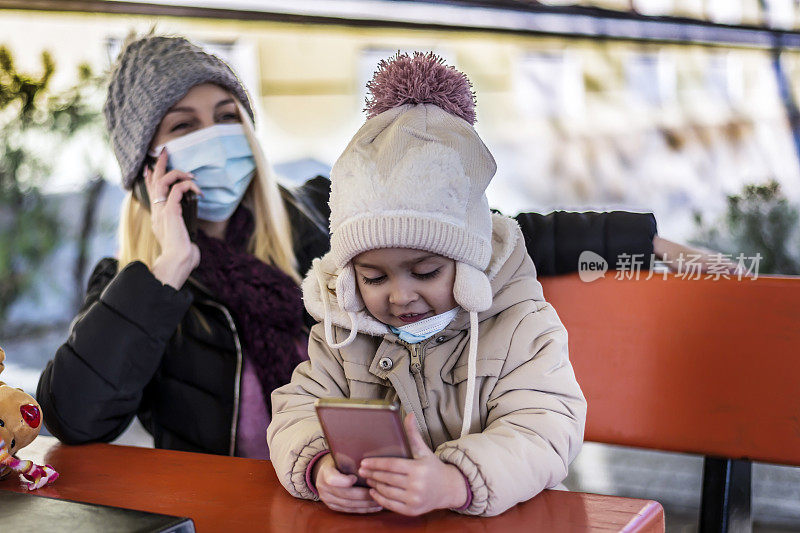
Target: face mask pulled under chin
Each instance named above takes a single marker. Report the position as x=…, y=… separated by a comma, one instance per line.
x=223, y=165
x=426, y=328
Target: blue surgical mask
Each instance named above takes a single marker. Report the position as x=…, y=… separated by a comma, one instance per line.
x=223, y=165
x=426, y=328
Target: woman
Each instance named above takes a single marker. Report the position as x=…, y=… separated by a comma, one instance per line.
x=193, y=336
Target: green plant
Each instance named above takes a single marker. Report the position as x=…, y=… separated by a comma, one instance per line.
x=759, y=220
x=32, y=119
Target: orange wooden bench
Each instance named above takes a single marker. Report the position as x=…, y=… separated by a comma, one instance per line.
x=710, y=367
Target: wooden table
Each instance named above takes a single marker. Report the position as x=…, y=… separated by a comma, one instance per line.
x=233, y=494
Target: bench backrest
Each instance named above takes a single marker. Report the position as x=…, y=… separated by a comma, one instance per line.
x=701, y=366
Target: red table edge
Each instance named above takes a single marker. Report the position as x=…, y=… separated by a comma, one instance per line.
x=654, y=511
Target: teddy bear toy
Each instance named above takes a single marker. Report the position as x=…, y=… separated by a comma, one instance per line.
x=20, y=421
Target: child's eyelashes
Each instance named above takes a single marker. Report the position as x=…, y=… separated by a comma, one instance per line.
x=421, y=276
x=428, y=275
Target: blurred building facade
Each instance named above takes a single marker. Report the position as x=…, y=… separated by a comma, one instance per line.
x=573, y=123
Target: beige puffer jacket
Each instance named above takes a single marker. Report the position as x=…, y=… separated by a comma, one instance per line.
x=529, y=413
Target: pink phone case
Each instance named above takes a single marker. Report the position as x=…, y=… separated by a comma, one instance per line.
x=356, y=429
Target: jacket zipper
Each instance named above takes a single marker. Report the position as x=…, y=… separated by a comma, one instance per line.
x=238, y=379
x=417, y=351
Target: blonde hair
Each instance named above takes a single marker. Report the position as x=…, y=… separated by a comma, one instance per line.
x=271, y=241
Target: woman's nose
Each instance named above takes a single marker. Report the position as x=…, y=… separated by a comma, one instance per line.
x=206, y=120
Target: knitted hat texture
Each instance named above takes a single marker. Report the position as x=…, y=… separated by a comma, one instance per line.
x=150, y=76
x=414, y=176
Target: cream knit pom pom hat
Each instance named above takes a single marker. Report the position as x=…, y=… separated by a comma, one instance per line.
x=414, y=176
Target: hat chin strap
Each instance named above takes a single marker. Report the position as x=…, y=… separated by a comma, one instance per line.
x=472, y=361
x=473, y=293
x=323, y=291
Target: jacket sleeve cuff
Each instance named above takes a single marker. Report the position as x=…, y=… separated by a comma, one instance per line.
x=466, y=505
x=309, y=469
x=299, y=473
x=478, y=499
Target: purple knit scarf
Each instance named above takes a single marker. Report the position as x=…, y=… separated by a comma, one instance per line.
x=264, y=301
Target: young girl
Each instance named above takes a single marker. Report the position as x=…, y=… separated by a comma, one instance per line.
x=429, y=299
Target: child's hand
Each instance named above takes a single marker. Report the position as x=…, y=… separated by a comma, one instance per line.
x=337, y=490
x=414, y=486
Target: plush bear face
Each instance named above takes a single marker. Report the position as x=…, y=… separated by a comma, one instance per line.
x=20, y=418
x=20, y=415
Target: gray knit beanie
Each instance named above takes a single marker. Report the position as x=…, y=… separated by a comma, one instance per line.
x=151, y=75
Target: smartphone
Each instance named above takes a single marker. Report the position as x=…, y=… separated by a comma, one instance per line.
x=188, y=201
x=189, y=213
x=357, y=429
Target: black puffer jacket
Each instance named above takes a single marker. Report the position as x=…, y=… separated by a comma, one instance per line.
x=173, y=357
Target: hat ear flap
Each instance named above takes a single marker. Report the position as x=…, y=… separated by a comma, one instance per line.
x=471, y=289
x=346, y=290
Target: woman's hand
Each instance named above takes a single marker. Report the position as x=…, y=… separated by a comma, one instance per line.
x=337, y=490
x=414, y=486
x=179, y=256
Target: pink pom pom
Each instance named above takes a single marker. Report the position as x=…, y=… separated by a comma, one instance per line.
x=420, y=79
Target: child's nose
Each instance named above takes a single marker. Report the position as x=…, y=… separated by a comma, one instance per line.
x=402, y=294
